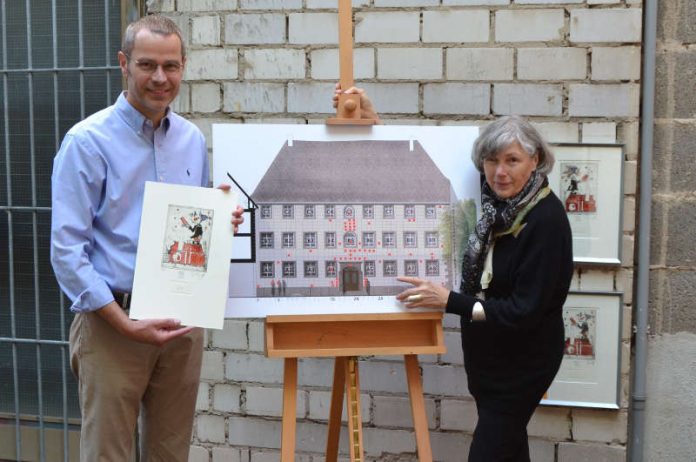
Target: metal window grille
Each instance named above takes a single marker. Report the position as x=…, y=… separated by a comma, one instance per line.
x=57, y=65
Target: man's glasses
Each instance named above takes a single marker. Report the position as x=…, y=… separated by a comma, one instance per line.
x=149, y=66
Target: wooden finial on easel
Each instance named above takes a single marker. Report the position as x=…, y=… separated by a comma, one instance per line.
x=348, y=109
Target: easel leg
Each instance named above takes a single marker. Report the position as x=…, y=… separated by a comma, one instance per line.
x=420, y=422
x=287, y=444
x=336, y=411
x=353, y=405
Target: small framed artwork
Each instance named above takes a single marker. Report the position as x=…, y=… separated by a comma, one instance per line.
x=588, y=179
x=182, y=265
x=589, y=373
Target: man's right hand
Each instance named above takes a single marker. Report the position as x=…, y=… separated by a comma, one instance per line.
x=153, y=331
x=367, y=111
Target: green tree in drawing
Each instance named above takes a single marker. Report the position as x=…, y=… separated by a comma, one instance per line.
x=455, y=227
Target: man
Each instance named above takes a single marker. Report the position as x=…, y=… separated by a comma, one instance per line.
x=127, y=368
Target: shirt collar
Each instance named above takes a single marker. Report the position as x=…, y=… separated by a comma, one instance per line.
x=135, y=119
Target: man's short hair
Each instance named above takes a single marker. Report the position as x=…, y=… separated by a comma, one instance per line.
x=157, y=25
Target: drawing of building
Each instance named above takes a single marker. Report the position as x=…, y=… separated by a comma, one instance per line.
x=348, y=217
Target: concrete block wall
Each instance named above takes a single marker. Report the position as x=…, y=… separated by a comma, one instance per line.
x=571, y=66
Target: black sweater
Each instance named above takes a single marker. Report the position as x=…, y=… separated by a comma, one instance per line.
x=512, y=357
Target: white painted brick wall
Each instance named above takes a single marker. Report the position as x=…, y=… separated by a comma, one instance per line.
x=227, y=397
x=391, y=27
x=254, y=432
x=205, y=30
x=550, y=422
x=606, y=426
x=378, y=441
x=251, y=28
x=395, y=411
x=320, y=406
x=229, y=455
x=529, y=25
x=574, y=452
x=475, y=2
x=454, y=355
x=325, y=64
x=605, y=25
x=616, y=63
x=313, y=28
x=456, y=98
x=264, y=401
x=458, y=415
x=599, y=132
x=213, y=365
x=270, y=4
x=302, y=97
x=276, y=63
x=551, y=63
x=254, y=97
x=210, y=428
x=203, y=397
x=456, y=26
x=206, y=5
x=211, y=64
x=393, y=97
x=444, y=380
x=484, y=64
x=205, y=97
x=527, y=99
x=409, y=3
x=409, y=63
x=198, y=454
x=253, y=368
x=558, y=132
x=604, y=100
x=256, y=336
x=233, y=335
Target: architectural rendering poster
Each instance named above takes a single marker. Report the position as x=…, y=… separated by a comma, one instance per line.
x=588, y=180
x=339, y=212
x=182, y=266
x=588, y=375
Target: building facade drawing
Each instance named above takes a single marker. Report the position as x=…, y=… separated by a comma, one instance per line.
x=346, y=218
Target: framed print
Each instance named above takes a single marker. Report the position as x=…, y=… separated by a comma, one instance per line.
x=182, y=265
x=589, y=373
x=589, y=181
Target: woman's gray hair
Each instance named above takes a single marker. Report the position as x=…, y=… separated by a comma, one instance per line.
x=506, y=130
x=157, y=25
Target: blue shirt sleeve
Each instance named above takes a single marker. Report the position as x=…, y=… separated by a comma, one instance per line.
x=77, y=189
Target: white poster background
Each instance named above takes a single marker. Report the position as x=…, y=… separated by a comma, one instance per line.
x=193, y=296
x=246, y=151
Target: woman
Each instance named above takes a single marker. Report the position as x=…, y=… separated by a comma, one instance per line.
x=515, y=277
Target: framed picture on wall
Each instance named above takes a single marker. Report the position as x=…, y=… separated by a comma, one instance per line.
x=588, y=178
x=589, y=373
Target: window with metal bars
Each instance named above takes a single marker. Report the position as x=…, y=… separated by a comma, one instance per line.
x=57, y=65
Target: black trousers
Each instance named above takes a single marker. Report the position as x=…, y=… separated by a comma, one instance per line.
x=500, y=436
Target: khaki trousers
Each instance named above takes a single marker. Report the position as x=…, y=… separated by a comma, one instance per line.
x=120, y=380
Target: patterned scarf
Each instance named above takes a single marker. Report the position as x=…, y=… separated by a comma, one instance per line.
x=497, y=215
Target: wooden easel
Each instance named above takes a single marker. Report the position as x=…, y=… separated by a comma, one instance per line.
x=346, y=337
x=348, y=110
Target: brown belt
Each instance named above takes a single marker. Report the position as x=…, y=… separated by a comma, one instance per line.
x=123, y=299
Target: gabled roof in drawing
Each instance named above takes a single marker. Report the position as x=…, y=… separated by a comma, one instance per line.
x=353, y=172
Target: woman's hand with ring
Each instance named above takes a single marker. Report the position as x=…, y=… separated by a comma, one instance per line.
x=423, y=294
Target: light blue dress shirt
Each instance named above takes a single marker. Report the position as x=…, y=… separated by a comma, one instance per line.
x=98, y=184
